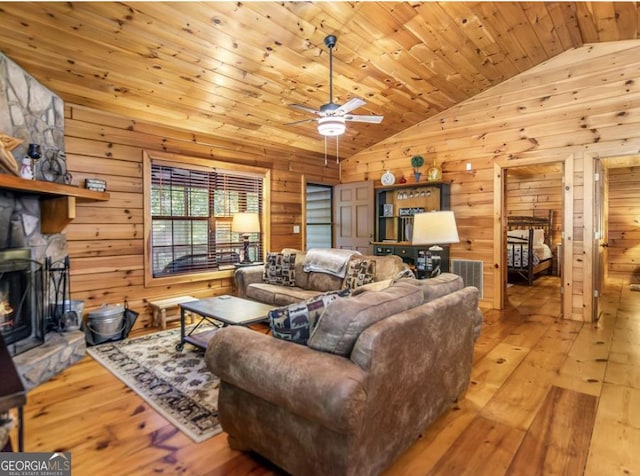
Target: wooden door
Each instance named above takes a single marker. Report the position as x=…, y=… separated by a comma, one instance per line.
x=600, y=244
x=353, y=215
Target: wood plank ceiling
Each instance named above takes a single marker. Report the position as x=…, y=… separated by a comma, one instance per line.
x=231, y=69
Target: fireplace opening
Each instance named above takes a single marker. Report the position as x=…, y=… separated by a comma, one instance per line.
x=21, y=300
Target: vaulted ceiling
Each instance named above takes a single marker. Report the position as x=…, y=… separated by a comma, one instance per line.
x=231, y=69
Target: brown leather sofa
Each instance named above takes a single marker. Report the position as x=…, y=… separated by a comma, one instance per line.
x=379, y=367
x=249, y=282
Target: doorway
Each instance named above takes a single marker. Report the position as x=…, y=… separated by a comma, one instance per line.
x=318, y=216
x=500, y=229
x=533, y=203
x=616, y=224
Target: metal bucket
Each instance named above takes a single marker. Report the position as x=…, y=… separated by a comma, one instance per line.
x=106, y=323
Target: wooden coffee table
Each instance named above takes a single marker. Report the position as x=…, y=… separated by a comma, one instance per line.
x=222, y=311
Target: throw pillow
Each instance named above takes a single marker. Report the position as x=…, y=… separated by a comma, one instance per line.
x=359, y=273
x=295, y=322
x=280, y=268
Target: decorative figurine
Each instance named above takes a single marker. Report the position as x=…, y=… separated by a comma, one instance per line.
x=26, y=169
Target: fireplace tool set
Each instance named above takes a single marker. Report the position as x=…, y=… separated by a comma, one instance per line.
x=61, y=315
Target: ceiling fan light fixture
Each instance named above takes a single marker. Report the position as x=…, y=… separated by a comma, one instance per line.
x=331, y=126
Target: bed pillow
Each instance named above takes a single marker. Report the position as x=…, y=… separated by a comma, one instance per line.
x=280, y=269
x=295, y=322
x=538, y=235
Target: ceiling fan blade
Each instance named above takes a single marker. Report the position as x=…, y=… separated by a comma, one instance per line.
x=370, y=119
x=304, y=121
x=351, y=105
x=304, y=108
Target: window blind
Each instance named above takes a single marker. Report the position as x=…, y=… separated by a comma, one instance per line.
x=191, y=213
x=319, y=216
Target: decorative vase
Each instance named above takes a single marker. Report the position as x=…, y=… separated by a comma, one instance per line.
x=434, y=173
x=416, y=176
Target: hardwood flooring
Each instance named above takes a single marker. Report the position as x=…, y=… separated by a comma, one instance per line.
x=548, y=396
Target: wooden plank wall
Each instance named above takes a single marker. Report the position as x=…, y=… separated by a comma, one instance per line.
x=105, y=241
x=624, y=224
x=583, y=102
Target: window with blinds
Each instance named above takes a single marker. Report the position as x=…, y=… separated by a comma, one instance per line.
x=319, y=216
x=191, y=212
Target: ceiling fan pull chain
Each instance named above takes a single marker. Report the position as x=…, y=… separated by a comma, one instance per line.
x=325, y=151
x=337, y=155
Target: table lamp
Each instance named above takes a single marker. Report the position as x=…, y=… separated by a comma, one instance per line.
x=245, y=223
x=435, y=228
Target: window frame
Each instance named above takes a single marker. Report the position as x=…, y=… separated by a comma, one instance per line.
x=178, y=160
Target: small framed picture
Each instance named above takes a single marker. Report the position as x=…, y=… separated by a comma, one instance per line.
x=387, y=210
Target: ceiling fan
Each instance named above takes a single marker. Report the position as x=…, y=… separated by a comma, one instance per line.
x=331, y=116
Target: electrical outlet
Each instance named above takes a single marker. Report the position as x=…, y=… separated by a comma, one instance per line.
x=296, y=228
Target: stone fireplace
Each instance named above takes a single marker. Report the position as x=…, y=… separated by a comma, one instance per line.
x=35, y=115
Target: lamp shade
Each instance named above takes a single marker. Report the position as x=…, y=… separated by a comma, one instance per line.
x=331, y=126
x=245, y=222
x=435, y=228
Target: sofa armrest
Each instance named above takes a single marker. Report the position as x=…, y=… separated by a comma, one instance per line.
x=243, y=277
x=321, y=387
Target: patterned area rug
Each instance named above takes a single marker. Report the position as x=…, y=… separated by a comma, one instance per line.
x=176, y=384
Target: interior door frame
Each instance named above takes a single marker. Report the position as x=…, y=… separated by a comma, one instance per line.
x=599, y=235
x=499, y=228
x=592, y=250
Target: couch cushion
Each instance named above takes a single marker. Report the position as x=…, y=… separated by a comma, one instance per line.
x=375, y=286
x=323, y=282
x=295, y=322
x=433, y=288
x=278, y=295
x=359, y=273
x=344, y=319
x=387, y=266
x=279, y=268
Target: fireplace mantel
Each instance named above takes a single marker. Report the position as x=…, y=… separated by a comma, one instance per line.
x=57, y=201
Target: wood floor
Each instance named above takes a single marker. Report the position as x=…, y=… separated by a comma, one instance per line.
x=548, y=396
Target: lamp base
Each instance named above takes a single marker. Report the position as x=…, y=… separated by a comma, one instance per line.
x=245, y=252
x=435, y=265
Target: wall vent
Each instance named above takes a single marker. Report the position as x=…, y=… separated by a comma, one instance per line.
x=470, y=271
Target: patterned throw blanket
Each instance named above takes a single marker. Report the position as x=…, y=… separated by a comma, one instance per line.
x=328, y=260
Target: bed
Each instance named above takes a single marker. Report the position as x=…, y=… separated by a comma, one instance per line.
x=529, y=246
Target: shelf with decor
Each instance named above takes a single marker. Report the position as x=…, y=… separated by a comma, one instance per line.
x=57, y=201
x=396, y=206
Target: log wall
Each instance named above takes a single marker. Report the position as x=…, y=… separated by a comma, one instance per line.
x=624, y=224
x=105, y=241
x=584, y=104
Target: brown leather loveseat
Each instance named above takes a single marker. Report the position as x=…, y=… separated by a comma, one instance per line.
x=378, y=368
